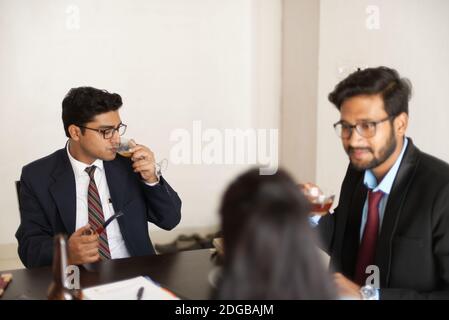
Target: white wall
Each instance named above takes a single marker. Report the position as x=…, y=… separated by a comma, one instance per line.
x=412, y=38
x=172, y=61
x=300, y=87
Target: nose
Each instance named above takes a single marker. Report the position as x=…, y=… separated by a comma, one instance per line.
x=354, y=138
x=115, y=137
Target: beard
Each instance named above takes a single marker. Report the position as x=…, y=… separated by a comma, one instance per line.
x=384, y=153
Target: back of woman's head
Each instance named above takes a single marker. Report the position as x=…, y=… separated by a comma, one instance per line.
x=270, y=249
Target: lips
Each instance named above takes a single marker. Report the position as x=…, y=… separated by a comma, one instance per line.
x=358, y=153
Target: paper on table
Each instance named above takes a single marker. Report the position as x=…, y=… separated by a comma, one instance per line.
x=127, y=290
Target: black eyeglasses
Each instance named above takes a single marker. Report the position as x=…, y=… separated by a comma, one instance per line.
x=366, y=129
x=108, y=133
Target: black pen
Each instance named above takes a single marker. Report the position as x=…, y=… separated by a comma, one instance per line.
x=107, y=222
x=101, y=228
x=140, y=293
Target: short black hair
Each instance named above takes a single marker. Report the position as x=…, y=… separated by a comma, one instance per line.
x=82, y=104
x=395, y=91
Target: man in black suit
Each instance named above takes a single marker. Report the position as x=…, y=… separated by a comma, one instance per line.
x=75, y=189
x=393, y=211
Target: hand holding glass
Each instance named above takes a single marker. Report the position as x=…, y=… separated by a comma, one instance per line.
x=321, y=202
x=127, y=144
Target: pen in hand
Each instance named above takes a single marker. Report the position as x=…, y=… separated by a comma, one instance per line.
x=107, y=222
x=140, y=293
x=100, y=229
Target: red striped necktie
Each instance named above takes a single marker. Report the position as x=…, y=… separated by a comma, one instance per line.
x=367, y=248
x=96, y=216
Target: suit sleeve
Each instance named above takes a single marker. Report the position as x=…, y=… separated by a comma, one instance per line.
x=326, y=225
x=440, y=237
x=325, y=230
x=406, y=294
x=164, y=205
x=34, y=235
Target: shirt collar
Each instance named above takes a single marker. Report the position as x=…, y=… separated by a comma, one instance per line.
x=385, y=185
x=79, y=167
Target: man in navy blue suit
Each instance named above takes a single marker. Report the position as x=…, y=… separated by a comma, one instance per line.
x=77, y=188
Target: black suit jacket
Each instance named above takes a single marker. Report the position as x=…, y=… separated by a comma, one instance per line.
x=48, y=206
x=413, y=246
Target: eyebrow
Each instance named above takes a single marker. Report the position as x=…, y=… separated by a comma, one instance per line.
x=358, y=121
x=109, y=127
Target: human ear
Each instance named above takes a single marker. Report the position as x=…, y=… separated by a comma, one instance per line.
x=74, y=132
x=401, y=123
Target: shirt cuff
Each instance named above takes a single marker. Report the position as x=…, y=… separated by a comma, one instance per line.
x=313, y=220
x=377, y=295
x=154, y=183
x=158, y=176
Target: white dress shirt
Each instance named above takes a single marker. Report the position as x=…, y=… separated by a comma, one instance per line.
x=117, y=245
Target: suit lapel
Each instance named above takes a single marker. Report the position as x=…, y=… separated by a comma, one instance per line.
x=352, y=231
x=63, y=191
x=393, y=210
x=116, y=179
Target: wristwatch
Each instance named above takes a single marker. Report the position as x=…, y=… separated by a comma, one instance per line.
x=368, y=292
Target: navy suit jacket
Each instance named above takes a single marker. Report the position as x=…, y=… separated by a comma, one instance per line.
x=48, y=206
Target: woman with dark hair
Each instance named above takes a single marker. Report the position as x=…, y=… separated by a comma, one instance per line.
x=270, y=248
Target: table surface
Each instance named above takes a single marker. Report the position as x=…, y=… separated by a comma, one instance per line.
x=186, y=273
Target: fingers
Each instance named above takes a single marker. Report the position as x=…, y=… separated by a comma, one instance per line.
x=80, y=244
x=86, y=239
x=82, y=230
x=89, y=245
x=141, y=152
x=93, y=252
x=312, y=188
x=142, y=155
x=83, y=249
x=310, y=185
x=91, y=259
x=89, y=253
x=144, y=165
x=86, y=234
x=338, y=275
x=132, y=143
x=136, y=148
x=143, y=159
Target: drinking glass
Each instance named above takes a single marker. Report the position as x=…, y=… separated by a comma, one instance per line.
x=126, y=144
x=321, y=201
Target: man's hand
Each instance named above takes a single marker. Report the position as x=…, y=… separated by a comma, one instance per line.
x=83, y=248
x=144, y=163
x=312, y=192
x=346, y=288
